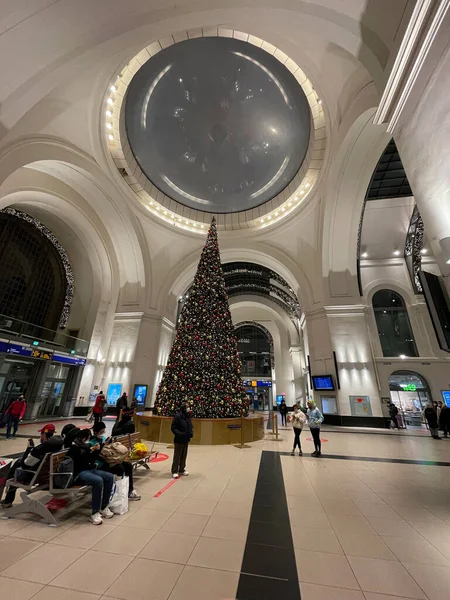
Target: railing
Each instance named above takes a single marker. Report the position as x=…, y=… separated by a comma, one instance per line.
x=33, y=333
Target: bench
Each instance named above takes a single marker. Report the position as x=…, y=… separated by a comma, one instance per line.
x=129, y=441
x=41, y=480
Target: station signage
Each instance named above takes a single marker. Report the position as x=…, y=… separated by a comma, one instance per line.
x=33, y=352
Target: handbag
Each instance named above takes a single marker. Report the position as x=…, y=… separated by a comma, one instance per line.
x=119, y=502
x=114, y=453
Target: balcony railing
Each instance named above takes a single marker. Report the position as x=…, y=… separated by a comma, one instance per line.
x=33, y=333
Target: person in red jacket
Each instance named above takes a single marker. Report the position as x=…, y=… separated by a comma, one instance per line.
x=99, y=407
x=14, y=414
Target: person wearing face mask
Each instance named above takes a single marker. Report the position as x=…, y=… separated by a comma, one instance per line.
x=297, y=419
x=182, y=430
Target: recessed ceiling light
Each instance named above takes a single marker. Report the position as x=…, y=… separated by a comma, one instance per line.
x=113, y=88
x=307, y=185
x=277, y=213
x=283, y=209
x=202, y=226
x=403, y=356
x=302, y=192
x=423, y=251
x=269, y=217
x=110, y=101
x=110, y=137
x=289, y=203
x=396, y=252
x=108, y=113
x=319, y=101
x=108, y=125
x=364, y=255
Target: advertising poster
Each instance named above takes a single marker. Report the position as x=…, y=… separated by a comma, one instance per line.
x=140, y=393
x=113, y=393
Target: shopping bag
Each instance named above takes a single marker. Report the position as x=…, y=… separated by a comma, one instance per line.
x=119, y=502
x=90, y=416
x=140, y=450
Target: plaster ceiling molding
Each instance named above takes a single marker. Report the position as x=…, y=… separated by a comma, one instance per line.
x=174, y=213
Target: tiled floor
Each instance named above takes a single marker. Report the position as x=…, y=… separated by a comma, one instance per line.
x=361, y=530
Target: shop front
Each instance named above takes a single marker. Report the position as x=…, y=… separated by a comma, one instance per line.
x=259, y=393
x=49, y=380
x=410, y=392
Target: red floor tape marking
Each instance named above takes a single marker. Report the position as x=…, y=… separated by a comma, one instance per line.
x=165, y=488
x=160, y=458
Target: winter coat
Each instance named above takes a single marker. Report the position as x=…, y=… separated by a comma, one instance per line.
x=100, y=405
x=17, y=408
x=393, y=411
x=315, y=418
x=283, y=408
x=33, y=456
x=431, y=416
x=182, y=428
x=297, y=419
x=83, y=458
x=444, y=417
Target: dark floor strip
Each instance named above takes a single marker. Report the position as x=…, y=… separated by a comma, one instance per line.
x=400, y=461
x=269, y=569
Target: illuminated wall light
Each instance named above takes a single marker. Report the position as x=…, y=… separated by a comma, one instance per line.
x=202, y=226
x=195, y=224
x=165, y=212
x=423, y=251
x=402, y=356
x=307, y=185
x=364, y=255
x=283, y=209
x=110, y=137
x=108, y=113
x=261, y=220
x=110, y=101
x=113, y=88
x=277, y=213
x=319, y=101
x=302, y=192
x=108, y=125
x=396, y=253
x=157, y=208
x=151, y=202
x=269, y=217
x=289, y=203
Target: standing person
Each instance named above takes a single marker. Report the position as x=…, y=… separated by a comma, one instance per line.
x=32, y=458
x=393, y=412
x=183, y=432
x=444, y=420
x=99, y=407
x=86, y=473
x=430, y=415
x=298, y=419
x=283, y=412
x=14, y=414
x=315, y=418
x=121, y=405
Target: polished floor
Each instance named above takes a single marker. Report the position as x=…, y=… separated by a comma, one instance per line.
x=254, y=523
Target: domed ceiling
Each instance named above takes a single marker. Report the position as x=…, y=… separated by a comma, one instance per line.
x=217, y=124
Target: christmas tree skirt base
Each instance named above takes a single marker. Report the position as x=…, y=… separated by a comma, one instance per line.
x=209, y=432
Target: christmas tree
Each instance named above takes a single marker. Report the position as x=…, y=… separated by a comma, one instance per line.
x=204, y=369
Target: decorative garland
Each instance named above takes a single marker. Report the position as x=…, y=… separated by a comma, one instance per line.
x=62, y=254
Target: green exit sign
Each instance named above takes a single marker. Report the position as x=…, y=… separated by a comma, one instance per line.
x=410, y=387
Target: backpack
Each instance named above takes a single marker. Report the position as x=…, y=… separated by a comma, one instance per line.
x=64, y=477
x=114, y=453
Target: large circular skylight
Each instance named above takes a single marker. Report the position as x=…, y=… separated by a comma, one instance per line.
x=217, y=124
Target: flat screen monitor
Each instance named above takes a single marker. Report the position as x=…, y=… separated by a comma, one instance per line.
x=140, y=393
x=323, y=382
x=438, y=304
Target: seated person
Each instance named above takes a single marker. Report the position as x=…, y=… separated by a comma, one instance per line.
x=123, y=427
x=31, y=460
x=86, y=473
x=124, y=468
x=65, y=430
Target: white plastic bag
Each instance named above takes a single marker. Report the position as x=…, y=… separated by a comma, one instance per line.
x=119, y=502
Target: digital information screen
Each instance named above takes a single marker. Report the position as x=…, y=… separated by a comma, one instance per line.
x=323, y=382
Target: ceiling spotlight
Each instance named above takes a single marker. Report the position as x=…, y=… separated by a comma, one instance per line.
x=158, y=208
x=110, y=101
x=110, y=137
x=269, y=217
x=402, y=356
x=165, y=212
x=261, y=220
x=396, y=253
x=307, y=185
x=151, y=202
x=113, y=88
x=195, y=224
x=283, y=209
x=364, y=255
x=319, y=101
x=289, y=203
x=277, y=213
x=423, y=251
x=202, y=226
x=302, y=192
